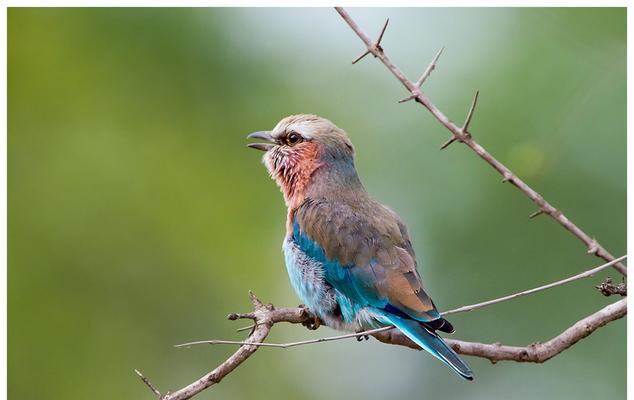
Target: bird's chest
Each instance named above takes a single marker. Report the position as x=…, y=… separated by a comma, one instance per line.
x=307, y=278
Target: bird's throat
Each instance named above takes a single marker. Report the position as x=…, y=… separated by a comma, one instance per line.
x=292, y=171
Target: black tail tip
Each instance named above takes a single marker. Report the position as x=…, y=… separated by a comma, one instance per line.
x=468, y=377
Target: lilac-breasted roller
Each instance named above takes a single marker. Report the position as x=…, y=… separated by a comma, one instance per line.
x=349, y=258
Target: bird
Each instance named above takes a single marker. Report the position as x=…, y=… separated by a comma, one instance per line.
x=349, y=258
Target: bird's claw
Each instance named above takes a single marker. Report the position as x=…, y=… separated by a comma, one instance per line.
x=312, y=323
x=362, y=337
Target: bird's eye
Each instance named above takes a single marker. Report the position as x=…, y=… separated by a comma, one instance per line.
x=293, y=138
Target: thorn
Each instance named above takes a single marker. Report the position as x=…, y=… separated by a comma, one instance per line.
x=429, y=69
x=593, y=247
x=148, y=383
x=376, y=45
x=408, y=98
x=467, y=121
x=536, y=213
x=365, y=53
x=253, y=298
x=447, y=143
x=507, y=177
x=245, y=328
x=257, y=304
x=378, y=41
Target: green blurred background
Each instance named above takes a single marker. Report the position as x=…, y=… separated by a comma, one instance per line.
x=138, y=218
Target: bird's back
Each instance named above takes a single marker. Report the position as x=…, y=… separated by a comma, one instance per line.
x=365, y=243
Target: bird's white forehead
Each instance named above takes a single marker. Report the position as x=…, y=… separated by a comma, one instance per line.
x=305, y=128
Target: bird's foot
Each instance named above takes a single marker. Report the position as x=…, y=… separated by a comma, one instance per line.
x=362, y=337
x=313, y=322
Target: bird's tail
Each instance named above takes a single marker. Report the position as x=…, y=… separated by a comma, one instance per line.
x=432, y=343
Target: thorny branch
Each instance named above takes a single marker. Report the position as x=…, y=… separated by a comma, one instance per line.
x=461, y=134
x=265, y=315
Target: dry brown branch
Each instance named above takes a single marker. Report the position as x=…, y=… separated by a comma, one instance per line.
x=291, y=344
x=462, y=135
x=573, y=278
x=265, y=316
x=536, y=352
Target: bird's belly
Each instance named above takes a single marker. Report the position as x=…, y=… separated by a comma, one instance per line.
x=307, y=278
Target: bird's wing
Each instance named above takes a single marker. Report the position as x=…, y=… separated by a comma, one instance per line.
x=367, y=256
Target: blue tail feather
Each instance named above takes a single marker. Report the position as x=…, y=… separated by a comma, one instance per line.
x=432, y=343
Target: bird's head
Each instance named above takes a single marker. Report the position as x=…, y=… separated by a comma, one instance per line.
x=301, y=145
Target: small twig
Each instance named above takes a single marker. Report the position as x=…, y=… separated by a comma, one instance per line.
x=573, y=278
x=148, y=383
x=536, y=214
x=291, y=344
x=245, y=328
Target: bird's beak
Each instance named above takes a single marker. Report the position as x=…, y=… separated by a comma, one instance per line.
x=264, y=135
